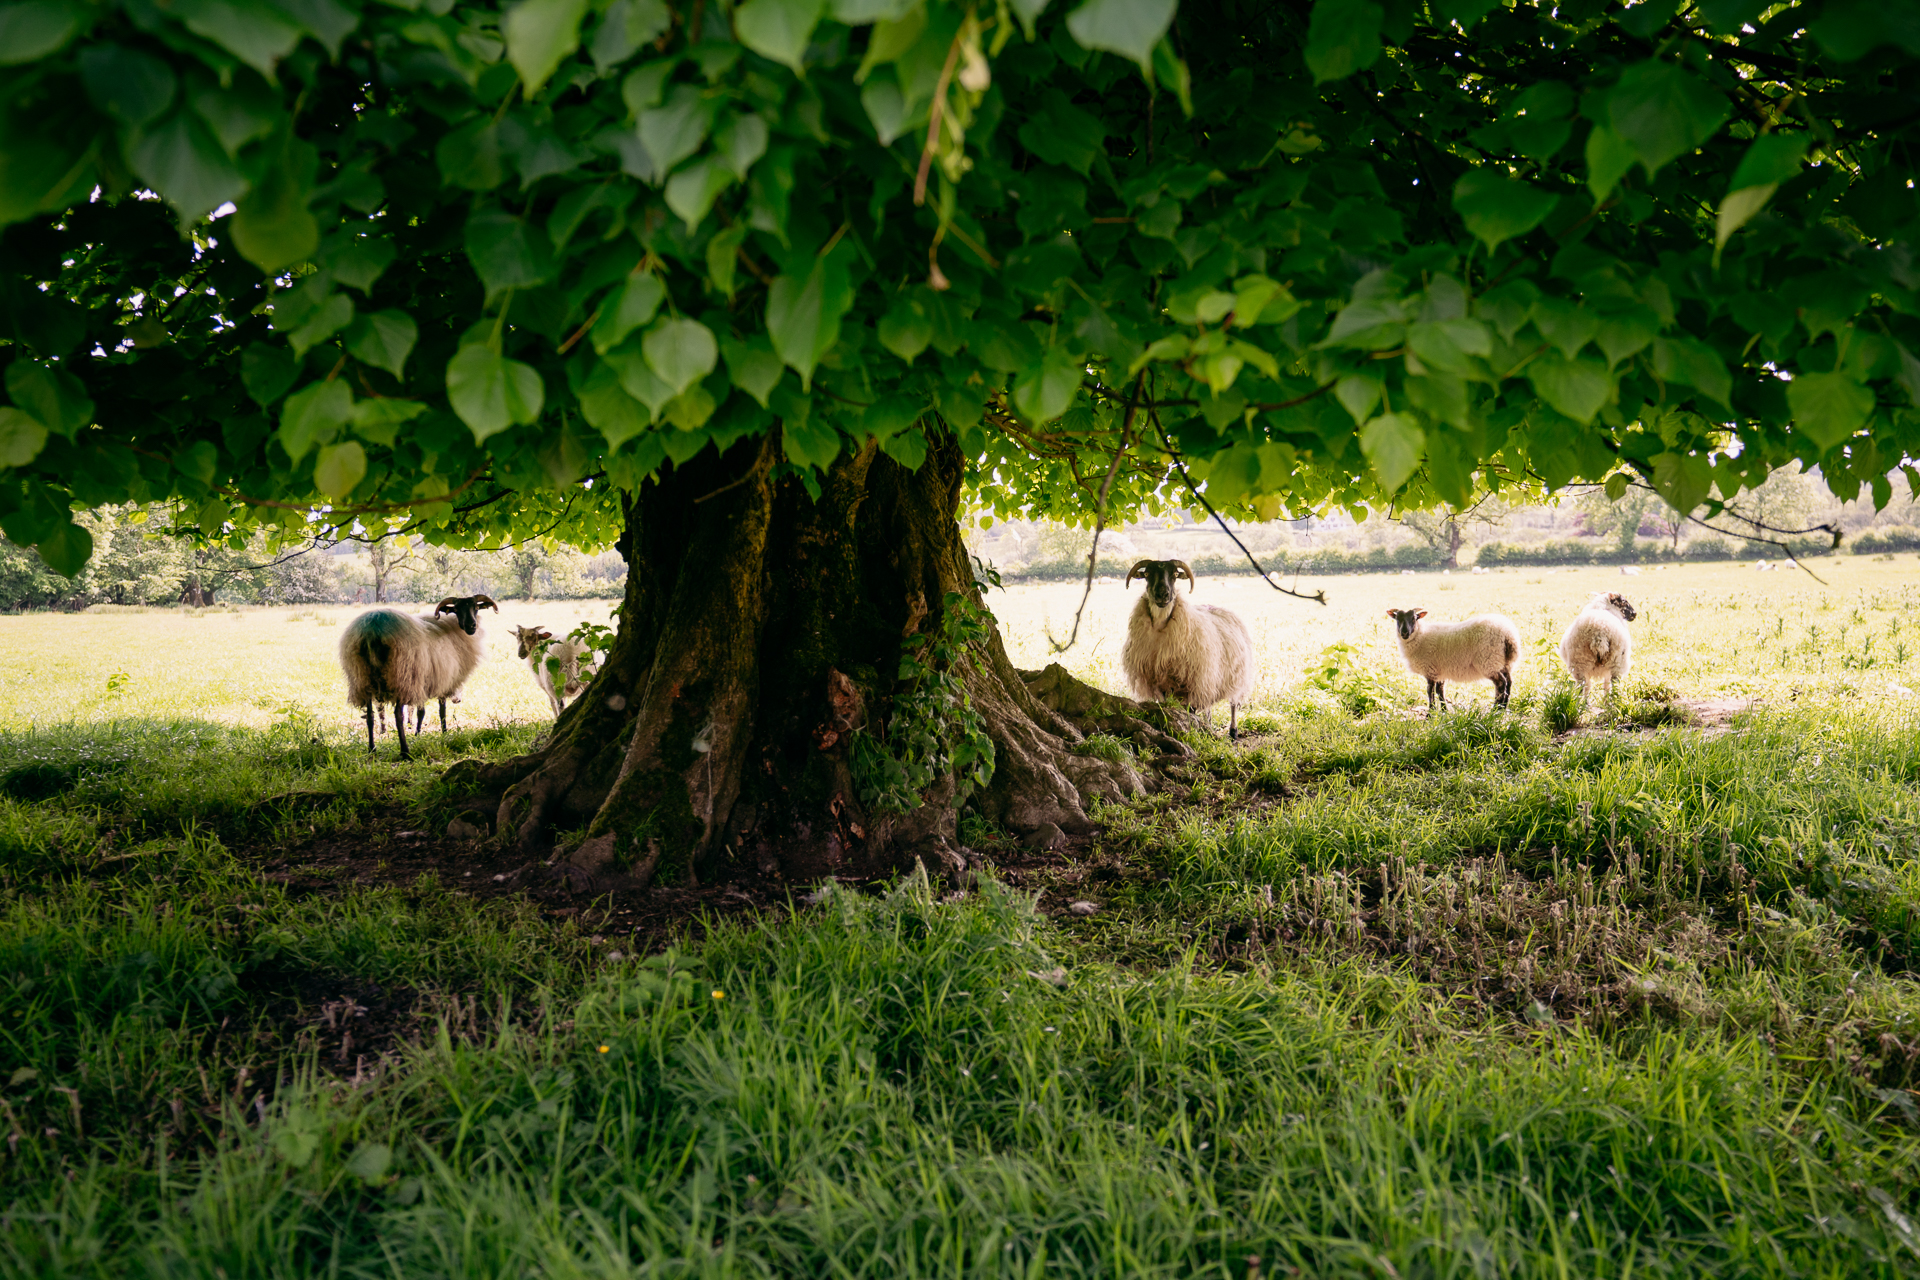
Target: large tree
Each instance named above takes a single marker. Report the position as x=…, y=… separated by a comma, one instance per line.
x=760, y=289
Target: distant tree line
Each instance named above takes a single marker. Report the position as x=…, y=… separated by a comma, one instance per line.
x=137, y=561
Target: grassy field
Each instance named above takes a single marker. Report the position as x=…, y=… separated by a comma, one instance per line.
x=1373, y=996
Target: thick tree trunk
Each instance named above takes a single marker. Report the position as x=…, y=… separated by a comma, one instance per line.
x=762, y=632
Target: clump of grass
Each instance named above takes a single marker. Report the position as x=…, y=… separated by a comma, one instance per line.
x=1560, y=708
x=1104, y=746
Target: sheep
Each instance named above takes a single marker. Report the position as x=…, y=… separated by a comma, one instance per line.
x=539, y=650
x=393, y=657
x=1483, y=647
x=1198, y=653
x=1597, y=644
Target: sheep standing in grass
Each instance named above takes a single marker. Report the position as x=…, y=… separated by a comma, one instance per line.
x=407, y=661
x=538, y=649
x=1484, y=647
x=1598, y=646
x=1199, y=654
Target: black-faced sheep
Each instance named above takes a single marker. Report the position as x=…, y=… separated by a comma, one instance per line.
x=1597, y=645
x=1199, y=654
x=538, y=649
x=408, y=661
x=1484, y=647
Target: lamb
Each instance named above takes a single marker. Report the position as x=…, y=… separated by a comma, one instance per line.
x=408, y=661
x=1597, y=645
x=1199, y=654
x=543, y=654
x=1483, y=647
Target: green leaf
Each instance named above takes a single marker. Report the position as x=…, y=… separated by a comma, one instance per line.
x=692, y=191
x=1623, y=334
x=1609, y=156
x=383, y=339
x=675, y=131
x=1044, y=391
x=626, y=309
x=1446, y=344
x=491, y=392
x=638, y=379
x=1682, y=479
x=891, y=38
x=1694, y=363
x=508, y=252
x=909, y=448
x=803, y=316
x=370, y=1161
x=1663, y=112
x=21, y=437
x=1497, y=208
x=328, y=319
x=540, y=33
x=1343, y=36
x=627, y=26
x=1359, y=395
x=1129, y=28
x=338, y=468
x=356, y=261
x=741, y=143
x=808, y=443
x=255, y=33
x=752, y=366
x=1567, y=325
x=1393, y=443
x=267, y=372
x=54, y=396
x=473, y=156
x=723, y=257
x=905, y=330
x=1828, y=407
x=680, y=352
x=272, y=226
x=1736, y=211
x=378, y=419
x=181, y=161
x=132, y=86
x=607, y=407
x=35, y=29
x=1772, y=159
x=313, y=415
x=777, y=29
x=1576, y=388
x=67, y=549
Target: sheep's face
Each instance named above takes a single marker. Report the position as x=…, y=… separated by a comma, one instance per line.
x=1618, y=604
x=1406, y=621
x=531, y=639
x=1163, y=580
x=466, y=610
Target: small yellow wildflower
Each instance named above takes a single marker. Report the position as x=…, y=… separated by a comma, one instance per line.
x=719, y=995
x=603, y=1048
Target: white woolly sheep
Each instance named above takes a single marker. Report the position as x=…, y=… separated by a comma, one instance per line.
x=1483, y=647
x=407, y=661
x=538, y=648
x=1198, y=653
x=1597, y=645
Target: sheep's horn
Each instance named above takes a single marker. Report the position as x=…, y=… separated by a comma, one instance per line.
x=485, y=602
x=1187, y=571
x=445, y=606
x=1139, y=570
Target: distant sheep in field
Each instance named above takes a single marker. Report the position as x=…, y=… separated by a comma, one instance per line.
x=538, y=648
x=1598, y=646
x=396, y=658
x=1481, y=648
x=1199, y=654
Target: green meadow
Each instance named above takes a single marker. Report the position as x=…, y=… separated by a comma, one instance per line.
x=1628, y=992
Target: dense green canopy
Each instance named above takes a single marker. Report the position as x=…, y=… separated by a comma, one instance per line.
x=480, y=266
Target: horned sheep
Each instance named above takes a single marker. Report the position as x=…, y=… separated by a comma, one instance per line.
x=538, y=649
x=1199, y=654
x=1483, y=647
x=408, y=661
x=1597, y=645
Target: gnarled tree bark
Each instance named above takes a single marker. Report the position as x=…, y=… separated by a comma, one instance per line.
x=762, y=630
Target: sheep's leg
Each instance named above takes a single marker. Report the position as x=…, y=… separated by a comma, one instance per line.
x=1440, y=687
x=1502, y=688
x=400, y=730
x=369, y=728
x=1431, y=686
x=443, y=715
x=420, y=719
x=1233, y=722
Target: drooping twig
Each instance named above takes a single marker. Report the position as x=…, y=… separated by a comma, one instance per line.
x=1784, y=548
x=1318, y=597
x=1100, y=517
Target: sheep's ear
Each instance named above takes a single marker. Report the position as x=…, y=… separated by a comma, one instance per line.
x=1393, y=613
x=1419, y=613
